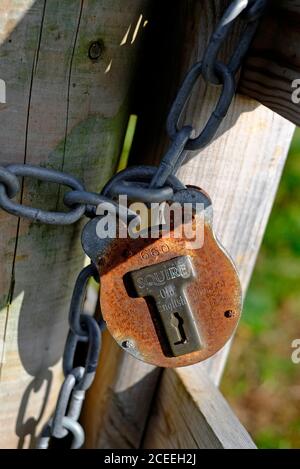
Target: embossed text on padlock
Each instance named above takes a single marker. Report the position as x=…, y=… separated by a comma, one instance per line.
x=165, y=283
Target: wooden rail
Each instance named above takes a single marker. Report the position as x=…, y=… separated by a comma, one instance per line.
x=274, y=60
x=190, y=412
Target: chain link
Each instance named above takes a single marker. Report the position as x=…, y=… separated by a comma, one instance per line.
x=35, y=214
x=92, y=200
x=223, y=29
x=10, y=182
x=216, y=117
x=216, y=72
x=143, y=183
x=81, y=202
x=83, y=329
x=128, y=180
x=78, y=200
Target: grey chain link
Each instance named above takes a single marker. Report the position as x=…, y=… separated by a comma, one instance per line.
x=142, y=183
x=83, y=329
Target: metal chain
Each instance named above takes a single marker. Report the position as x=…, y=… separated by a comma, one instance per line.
x=143, y=183
x=216, y=72
x=78, y=200
x=81, y=202
x=84, y=329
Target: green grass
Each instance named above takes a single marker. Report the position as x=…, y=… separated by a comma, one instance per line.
x=261, y=382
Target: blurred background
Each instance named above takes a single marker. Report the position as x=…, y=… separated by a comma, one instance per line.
x=261, y=382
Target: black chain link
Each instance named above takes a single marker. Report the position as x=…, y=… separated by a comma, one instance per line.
x=78, y=200
x=214, y=121
x=216, y=72
x=35, y=214
x=143, y=183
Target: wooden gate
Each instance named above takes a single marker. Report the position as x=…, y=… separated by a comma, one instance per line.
x=67, y=107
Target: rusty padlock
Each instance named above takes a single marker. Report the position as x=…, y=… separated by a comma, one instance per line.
x=163, y=300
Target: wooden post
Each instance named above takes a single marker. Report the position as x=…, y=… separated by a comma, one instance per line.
x=240, y=170
x=271, y=71
x=190, y=412
x=67, y=111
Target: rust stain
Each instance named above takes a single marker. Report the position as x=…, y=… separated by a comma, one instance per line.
x=214, y=296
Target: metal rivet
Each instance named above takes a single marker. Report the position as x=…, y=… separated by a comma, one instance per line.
x=229, y=314
x=127, y=344
x=95, y=50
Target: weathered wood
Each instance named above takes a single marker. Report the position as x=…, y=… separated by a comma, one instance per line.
x=190, y=412
x=240, y=170
x=67, y=112
x=64, y=110
x=273, y=62
x=119, y=402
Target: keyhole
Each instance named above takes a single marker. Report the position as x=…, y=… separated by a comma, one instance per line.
x=177, y=323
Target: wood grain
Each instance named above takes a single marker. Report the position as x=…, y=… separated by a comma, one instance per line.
x=190, y=412
x=67, y=112
x=273, y=61
x=120, y=399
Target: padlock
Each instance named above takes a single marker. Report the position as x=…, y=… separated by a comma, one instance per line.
x=164, y=300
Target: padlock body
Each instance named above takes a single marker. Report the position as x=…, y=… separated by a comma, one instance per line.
x=213, y=298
